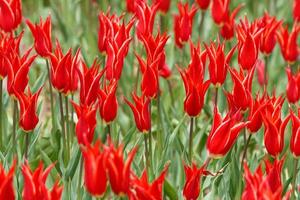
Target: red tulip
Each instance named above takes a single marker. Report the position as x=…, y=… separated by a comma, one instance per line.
x=147, y=191
x=89, y=79
x=95, y=179
x=296, y=10
x=131, y=5
x=119, y=171
x=260, y=71
x=241, y=96
x=35, y=184
x=17, y=71
x=146, y=17
x=64, y=75
x=295, y=138
x=28, y=104
x=259, y=186
x=108, y=104
x=6, y=185
x=9, y=47
x=292, y=88
x=228, y=26
x=195, y=86
x=219, y=10
x=248, y=46
x=274, y=126
x=223, y=133
x=203, y=4
x=163, y=5
x=42, y=36
x=149, y=69
x=254, y=117
x=86, y=124
x=193, y=175
x=288, y=43
x=10, y=14
x=218, y=62
x=141, y=112
x=183, y=23
x=268, y=36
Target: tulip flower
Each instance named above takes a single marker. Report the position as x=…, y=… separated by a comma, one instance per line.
x=89, y=78
x=86, y=124
x=219, y=10
x=296, y=10
x=241, y=96
x=292, y=88
x=28, y=105
x=42, y=36
x=203, y=4
x=108, y=104
x=248, y=46
x=131, y=5
x=255, y=120
x=141, y=112
x=6, y=185
x=155, y=49
x=260, y=71
x=288, y=43
x=295, y=138
x=268, y=36
x=228, y=26
x=10, y=14
x=145, y=190
x=119, y=170
x=17, y=72
x=223, y=133
x=111, y=28
x=35, y=184
x=218, y=62
x=9, y=47
x=146, y=17
x=64, y=75
x=163, y=5
x=274, y=126
x=95, y=179
x=259, y=186
x=193, y=175
x=194, y=84
x=183, y=23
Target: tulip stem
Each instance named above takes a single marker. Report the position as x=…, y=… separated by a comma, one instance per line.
x=80, y=178
x=266, y=71
x=1, y=91
x=26, y=145
x=216, y=95
x=15, y=112
x=245, y=150
x=191, y=139
x=51, y=96
x=294, y=179
x=150, y=137
x=63, y=124
x=201, y=21
x=146, y=152
x=68, y=136
x=171, y=92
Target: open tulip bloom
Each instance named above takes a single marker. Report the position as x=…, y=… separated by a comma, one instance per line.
x=149, y=99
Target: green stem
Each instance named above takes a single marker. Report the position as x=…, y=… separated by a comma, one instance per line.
x=201, y=21
x=80, y=178
x=216, y=95
x=294, y=179
x=245, y=149
x=68, y=136
x=191, y=139
x=1, y=119
x=150, y=136
x=26, y=145
x=266, y=71
x=63, y=125
x=170, y=91
x=15, y=111
x=51, y=95
x=146, y=152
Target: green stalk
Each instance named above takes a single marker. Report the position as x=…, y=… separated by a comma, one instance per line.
x=203, y=12
x=15, y=111
x=26, y=145
x=294, y=190
x=216, y=95
x=1, y=119
x=68, y=136
x=80, y=178
x=51, y=96
x=266, y=70
x=171, y=92
x=146, y=152
x=150, y=137
x=63, y=125
x=191, y=139
x=245, y=149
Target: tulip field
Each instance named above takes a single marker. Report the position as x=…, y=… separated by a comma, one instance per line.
x=149, y=99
